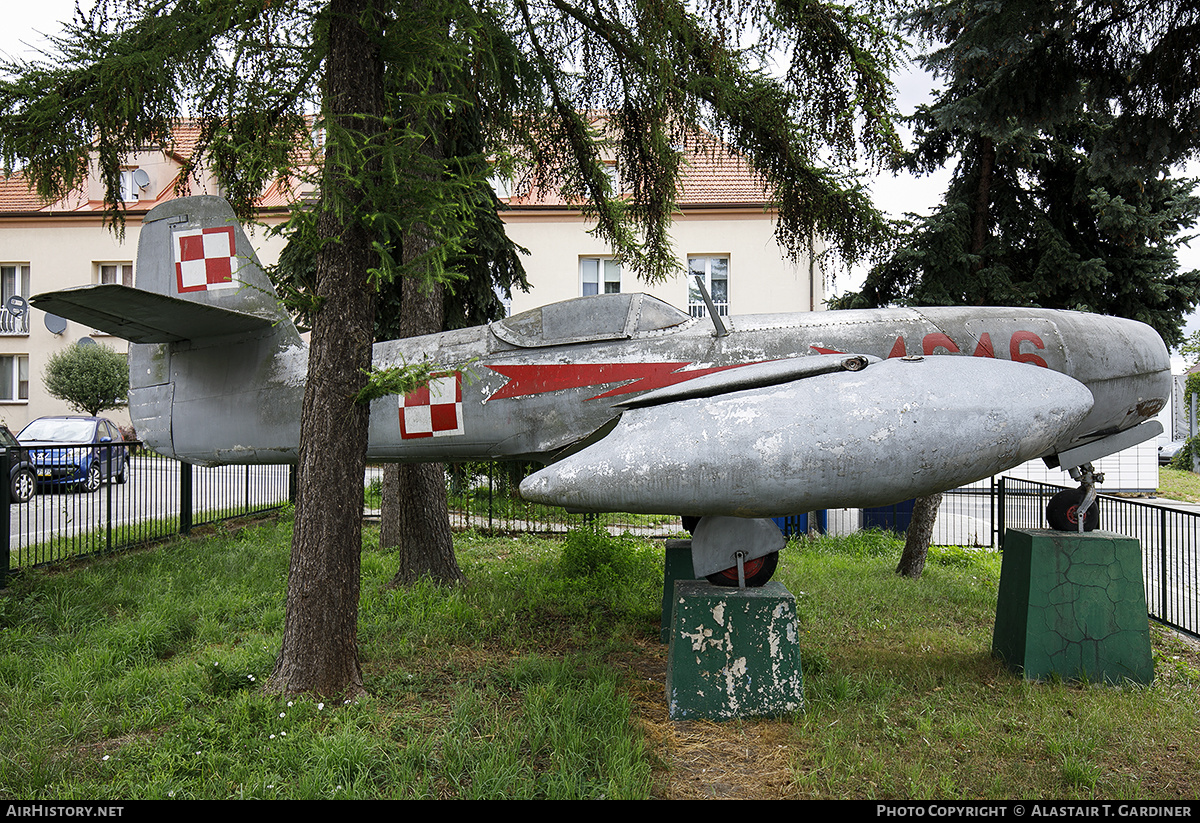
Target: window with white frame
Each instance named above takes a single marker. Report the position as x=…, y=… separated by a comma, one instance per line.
x=119, y=273
x=613, y=172
x=14, y=378
x=714, y=273
x=133, y=182
x=599, y=275
x=14, y=299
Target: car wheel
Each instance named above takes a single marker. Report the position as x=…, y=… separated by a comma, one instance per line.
x=24, y=485
x=123, y=473
x=92, y=481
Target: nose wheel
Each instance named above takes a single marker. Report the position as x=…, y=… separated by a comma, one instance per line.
x=752, y=574
x=1076, y=510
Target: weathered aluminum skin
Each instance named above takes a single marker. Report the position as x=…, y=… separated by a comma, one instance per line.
x=568, y=378
x=896, y=430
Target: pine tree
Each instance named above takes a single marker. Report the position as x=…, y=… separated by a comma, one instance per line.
x=1053, y=201
x=383, y=76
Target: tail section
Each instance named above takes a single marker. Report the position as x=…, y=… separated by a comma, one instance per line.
x=216, y=366
x=193, y=249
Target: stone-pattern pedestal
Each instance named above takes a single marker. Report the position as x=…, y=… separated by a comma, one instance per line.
x=1073, y=605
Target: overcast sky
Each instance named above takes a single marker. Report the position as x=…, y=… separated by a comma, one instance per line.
x=26, y=23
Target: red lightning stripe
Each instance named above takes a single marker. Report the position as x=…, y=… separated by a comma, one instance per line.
x=525, y=380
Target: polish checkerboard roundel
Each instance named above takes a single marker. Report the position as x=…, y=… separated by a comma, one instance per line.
x=204, y=259
x=435, y=410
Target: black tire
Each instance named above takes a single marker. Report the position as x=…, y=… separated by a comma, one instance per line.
x=24, y=486
x=124, y=472
x=93, y=480
x=758, y=572
x=1062, y=512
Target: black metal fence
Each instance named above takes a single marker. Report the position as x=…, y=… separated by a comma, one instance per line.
x=92, y=499
x=1169, y=536
x=101, y=498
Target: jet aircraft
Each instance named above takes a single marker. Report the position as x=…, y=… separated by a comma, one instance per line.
x=634, y=405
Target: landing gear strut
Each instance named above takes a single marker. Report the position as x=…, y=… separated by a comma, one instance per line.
x=1076, y=509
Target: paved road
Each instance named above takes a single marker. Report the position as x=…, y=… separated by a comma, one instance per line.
x=151, y=492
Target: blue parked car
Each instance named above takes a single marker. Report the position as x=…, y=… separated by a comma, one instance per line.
x=72, y=451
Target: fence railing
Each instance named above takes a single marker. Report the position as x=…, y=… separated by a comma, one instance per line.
x=101, y=498
x=91, y=499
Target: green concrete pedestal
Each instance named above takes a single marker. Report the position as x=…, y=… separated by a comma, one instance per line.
x=677, y=565
x=1074, y=606
x=733, y=652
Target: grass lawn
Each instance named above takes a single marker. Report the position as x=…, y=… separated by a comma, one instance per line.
x=138, y=677
x=1177, y=484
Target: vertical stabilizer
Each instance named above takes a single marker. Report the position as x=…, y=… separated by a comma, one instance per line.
x=232, y=395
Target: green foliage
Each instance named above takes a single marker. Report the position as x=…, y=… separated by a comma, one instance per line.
x=1038, y=212
x=592, y=553
x=518, y=81
x=399, y=380
x=1183, y=459
x=90, y=378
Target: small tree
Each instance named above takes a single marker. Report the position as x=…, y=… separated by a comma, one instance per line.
x=90, y=378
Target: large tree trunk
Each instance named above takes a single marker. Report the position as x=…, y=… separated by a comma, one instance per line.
x=416, y=520
x=925, y=509
x=320, y=636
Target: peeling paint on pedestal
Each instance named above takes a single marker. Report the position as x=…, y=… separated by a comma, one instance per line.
x=733, y=653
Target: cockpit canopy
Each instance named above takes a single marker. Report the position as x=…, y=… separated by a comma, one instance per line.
x=588, y=319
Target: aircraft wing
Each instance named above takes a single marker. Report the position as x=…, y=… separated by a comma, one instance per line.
x=771, y=443
x=145, y=317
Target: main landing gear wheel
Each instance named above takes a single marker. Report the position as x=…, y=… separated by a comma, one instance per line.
x=721, y=544
x=758, y=571
x=1062, y=513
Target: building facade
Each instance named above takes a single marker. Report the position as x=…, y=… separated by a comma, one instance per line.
x=724, y=231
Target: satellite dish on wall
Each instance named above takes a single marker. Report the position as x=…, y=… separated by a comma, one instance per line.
x=141, y=178
x=85, y=341
x=55, y=324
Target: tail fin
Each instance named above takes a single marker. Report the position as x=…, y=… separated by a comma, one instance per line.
x=193, y=249
x=216, y=367
x=197, y=277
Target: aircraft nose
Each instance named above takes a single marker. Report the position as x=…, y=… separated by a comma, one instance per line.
x=1127, y=367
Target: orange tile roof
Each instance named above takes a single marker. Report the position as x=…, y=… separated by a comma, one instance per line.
x=16, y=195
x=712, y=175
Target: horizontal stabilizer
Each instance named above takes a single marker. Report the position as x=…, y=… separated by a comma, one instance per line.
x=145, y=317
